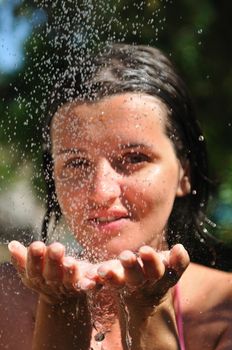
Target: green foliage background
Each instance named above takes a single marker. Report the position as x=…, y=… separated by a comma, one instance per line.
x=197, y=36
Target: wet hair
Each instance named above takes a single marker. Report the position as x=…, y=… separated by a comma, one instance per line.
x=121, y=68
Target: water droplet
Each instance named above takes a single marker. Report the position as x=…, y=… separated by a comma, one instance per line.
x=201, y=138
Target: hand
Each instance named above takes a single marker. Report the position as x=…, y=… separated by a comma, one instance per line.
x=49, y=272
x=146, y=276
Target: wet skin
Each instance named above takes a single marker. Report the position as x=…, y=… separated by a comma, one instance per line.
x=116, y=173
x=117, y=176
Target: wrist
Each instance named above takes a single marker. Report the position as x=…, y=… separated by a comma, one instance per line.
x=141, y=302
x=151, y=326
x=55, y=301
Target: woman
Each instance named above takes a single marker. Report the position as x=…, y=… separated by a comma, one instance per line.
x=125, y=165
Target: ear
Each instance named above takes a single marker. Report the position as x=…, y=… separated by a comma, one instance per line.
x=184, y=184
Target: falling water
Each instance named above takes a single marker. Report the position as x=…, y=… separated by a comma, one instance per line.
x=66, y=33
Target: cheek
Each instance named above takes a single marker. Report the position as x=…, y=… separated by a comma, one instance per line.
x=72, y=201
x=152, y=192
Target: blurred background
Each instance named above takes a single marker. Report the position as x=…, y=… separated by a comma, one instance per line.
x=38, y=39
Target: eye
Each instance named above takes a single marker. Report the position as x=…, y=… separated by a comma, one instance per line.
x=77, y=163
x=135, y=158
x=131, y=162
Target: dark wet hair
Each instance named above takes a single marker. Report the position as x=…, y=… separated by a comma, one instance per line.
x=123, y=68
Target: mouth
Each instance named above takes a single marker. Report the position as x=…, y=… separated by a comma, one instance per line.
x=105, y=220
x=108, y=222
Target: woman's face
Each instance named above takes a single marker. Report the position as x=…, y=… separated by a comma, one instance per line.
x=116, y=172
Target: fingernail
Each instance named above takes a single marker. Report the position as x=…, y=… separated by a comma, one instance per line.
x=179, y=248
x=55, y=253
x=68, y=262
x=125, y=256
x=102, y=273
x=128, y=260
x=85, y=285
x=37, y=251
x=13, y=245
x=91, y=273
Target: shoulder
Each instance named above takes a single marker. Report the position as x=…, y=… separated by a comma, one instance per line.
x=205, y=289
x=206, y=304
x=200, y=279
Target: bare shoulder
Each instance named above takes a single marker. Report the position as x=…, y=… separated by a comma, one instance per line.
x=17, y=309
x=206, y=304
x=207, y=286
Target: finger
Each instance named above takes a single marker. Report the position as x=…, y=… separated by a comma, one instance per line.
x=18, y=256
x=179, y=259
x=35, y=259
x=176, y=262
x=113, y=272
x=53, y=270
x=92, y=273
x=85, y=284
x=71, y=272
x=134, y=274
x=153, y=263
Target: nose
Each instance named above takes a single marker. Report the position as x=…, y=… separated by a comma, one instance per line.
x=106, y=184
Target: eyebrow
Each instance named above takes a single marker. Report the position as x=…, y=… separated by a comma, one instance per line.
x=135, y=145
x=69, y=150
x=121, y=147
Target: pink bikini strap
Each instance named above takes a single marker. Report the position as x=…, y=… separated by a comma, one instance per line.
x=179, y=318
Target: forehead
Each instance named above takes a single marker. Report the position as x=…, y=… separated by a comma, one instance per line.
x=118, y=117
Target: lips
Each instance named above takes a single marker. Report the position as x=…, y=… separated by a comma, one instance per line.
x=103, y=220
x=107, y=218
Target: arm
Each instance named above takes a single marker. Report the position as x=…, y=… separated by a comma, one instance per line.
x=62, y=319
x=149, y=328
x=17, y=310
x=64, y=325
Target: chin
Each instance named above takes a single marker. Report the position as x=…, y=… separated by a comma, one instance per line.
x=118, y=244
